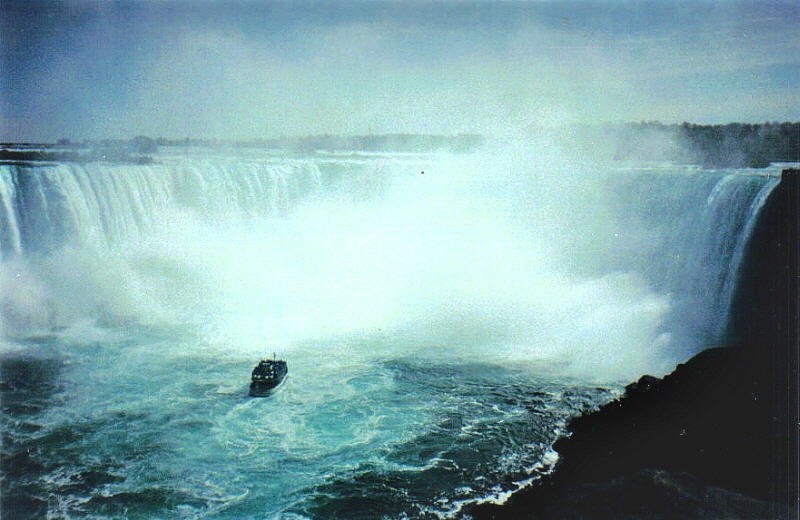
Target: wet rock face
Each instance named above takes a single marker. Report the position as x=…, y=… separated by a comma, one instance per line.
x=655, y=494
x=706, y=418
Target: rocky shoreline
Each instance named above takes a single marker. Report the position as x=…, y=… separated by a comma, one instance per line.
x=718, y=437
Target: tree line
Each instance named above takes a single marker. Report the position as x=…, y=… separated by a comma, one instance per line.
x=713, y=146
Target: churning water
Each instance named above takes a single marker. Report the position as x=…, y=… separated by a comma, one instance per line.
x=440, y=327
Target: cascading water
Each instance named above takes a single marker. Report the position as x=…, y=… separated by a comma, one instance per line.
x=439, y=328
x=697, y=228
x=47, y=206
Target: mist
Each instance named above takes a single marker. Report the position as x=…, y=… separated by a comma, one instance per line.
x=483, y=257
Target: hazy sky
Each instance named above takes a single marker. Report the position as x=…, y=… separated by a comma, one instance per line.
x=257, y=69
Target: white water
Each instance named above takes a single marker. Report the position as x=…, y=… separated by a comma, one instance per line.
x=536, y=259
x=439, y=327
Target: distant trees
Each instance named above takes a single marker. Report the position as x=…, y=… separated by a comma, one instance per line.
x=140, y=148
x=713, y=146
x=730, y=145
x=142, y=144
x=373, y=143
x=459, y=143
x=134, y=151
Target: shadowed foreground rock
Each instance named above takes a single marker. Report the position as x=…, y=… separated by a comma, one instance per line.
x=717, y=438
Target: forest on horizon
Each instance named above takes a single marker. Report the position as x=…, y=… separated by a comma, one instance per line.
x=753, y=145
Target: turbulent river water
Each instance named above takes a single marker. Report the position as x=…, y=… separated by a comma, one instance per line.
x=440, y=327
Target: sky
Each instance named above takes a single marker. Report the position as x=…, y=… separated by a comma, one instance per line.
x=255, y=69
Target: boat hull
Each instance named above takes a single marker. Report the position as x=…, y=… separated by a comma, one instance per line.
x=264, y=388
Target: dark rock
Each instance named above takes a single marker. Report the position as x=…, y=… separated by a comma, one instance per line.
x=706, y=430
x=644, y=384
x=705, y=419
x=653, y=494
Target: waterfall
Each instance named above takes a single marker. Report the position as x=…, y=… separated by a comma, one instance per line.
x=45, y=206
x=333, y=244
x=698, y=225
